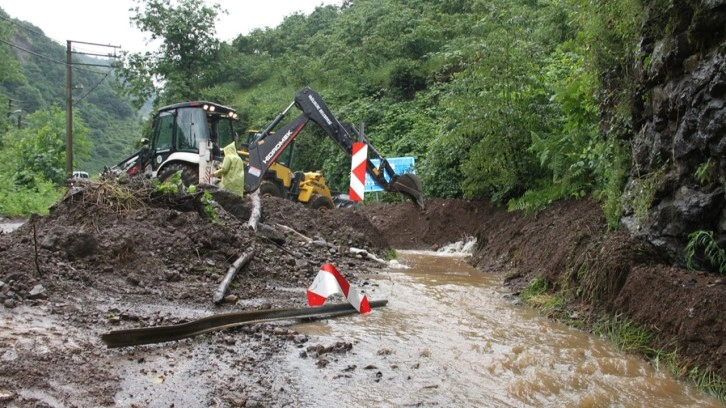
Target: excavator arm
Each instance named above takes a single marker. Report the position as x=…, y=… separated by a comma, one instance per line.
x=265, y=149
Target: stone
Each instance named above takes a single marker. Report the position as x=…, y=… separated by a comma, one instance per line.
x=38, y=292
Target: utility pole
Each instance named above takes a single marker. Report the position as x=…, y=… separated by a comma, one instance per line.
x=69, y=95
x=69, y=110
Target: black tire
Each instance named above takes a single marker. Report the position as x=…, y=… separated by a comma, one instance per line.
x=321, y=203
x=270, y=189
x=189, y=174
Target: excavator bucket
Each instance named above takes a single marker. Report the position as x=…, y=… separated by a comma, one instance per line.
x=409, y=185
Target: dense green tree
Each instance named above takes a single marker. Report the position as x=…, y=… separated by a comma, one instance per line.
x=39, y=148
x=9, y=67
x=495, y=98
x=179, y=69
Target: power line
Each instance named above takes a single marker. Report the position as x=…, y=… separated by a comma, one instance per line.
x=15, y=23
x=32, y=52
x=76, y=64
x=22, y=25
x=94, y=86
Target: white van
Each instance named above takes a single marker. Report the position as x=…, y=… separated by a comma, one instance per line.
x=80, y=174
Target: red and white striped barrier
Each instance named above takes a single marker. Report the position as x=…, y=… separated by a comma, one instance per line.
x=330, y=282
x=358, y=171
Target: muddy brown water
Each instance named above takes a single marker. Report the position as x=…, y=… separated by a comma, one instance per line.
x=450, y=336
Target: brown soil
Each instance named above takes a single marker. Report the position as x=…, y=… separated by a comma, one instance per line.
x=109, y=256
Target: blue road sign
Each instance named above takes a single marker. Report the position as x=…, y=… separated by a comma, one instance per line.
x=400, y=165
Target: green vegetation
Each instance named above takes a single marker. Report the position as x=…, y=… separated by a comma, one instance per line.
x=32, y=124
x=208, y=206
x=628, y=337
x=32, y=168
x=178, y=70
x=703, y=172
x=174, y=186
x=704, y=241
x=494, y=99
x=536, y=295
x=708, y=381
x=391, y=254
x=499, y=99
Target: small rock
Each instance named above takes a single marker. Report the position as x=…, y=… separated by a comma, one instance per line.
x=38, y=292
x=251, y=403
x=231, y=299
x=279, y=331
x=172, y=276
x=6, y=395
x=10, y=303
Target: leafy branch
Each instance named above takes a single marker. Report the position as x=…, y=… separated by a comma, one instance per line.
x=704, y=240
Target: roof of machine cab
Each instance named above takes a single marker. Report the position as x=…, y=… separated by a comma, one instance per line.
x=210, y=107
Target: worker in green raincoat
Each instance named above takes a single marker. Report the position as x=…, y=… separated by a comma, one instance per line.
x=232, y=171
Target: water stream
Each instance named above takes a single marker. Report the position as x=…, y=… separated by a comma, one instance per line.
x=449, y=337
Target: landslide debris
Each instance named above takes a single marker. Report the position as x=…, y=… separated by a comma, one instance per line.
x=134, y=238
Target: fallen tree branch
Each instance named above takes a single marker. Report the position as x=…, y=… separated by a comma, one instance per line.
x=256, y=210
x=286, y=228
x=35, y=243
x=366, y=254
x=231, y=272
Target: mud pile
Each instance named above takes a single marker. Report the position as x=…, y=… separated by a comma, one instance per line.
x=112, y=256
x=134, y=238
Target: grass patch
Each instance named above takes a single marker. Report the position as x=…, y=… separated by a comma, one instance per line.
x=630, y=338
x=391, y=254
x=536, y=295
x=626, y=335
x=708, y=382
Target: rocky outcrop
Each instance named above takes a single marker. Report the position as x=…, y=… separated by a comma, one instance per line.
x=679, y=166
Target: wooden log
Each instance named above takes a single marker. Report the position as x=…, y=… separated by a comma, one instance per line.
x=231, y=272
x=256, y=210
x=365, y=254
x=292, y=230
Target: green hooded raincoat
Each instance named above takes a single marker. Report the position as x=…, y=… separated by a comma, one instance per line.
x=232, y=171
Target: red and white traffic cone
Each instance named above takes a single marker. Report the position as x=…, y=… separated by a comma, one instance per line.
x=330, y=282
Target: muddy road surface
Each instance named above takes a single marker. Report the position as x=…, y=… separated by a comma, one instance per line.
x=114, y=256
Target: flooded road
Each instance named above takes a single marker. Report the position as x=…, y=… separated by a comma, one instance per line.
x=449, y=337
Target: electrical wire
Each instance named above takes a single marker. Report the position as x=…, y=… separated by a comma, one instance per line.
x=28, y=29
x=46, y=57
x=95, y=86
x=64, y=63
x=32, y=52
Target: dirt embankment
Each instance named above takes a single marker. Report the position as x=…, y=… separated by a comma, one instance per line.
x=107, y=245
